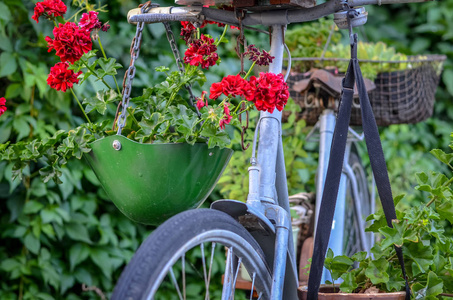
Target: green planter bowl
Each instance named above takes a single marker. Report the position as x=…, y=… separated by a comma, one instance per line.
x=149, y=183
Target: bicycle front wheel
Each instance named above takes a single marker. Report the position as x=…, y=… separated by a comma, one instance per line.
x=195, y=255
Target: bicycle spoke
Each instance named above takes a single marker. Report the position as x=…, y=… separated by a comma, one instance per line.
x=204, y=271
x=210, y=265
x=183, y=261
x=226, y=292
x=253, y=285
x=173, y=279
x=235, y=277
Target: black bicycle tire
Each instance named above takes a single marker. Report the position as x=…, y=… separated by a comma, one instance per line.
x=166, y=240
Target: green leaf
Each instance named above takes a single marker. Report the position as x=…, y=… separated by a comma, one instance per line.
x=78, y=232
x=445, y=209
x=32, y=207
x=32, y=243
x=340, y=265
x=421, y=255
x=216, y=137
x=13, y=90
x=398, y=198
x=447, y=77
x=83, y=276
x=349, y=283
x=101, y=258
x=5, y=45
x=433, y=287
x=360, y=256
x=442, y=156
x=10, y=264
x=77, y=254
x=49, y=215
x=5, y=13
x=8, y=63
x=108, y=66
x=21, y=126
x=100, y=101
x=377, y=271
x=422, y=178
x=396, y=282
x=392, y=237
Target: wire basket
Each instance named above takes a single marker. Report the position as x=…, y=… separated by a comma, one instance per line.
x=403, y=96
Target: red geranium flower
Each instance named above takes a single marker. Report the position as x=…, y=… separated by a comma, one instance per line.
x=2, y=105
x=226, y=119
x=70, y=42
x=261, y=58
x=202, y=52
x=60, y=78
x=270, y=92
x=50, y=9
x=231, y=85
x=89, y=21
x=201, y=102
x=216, y=90
x=187, y=31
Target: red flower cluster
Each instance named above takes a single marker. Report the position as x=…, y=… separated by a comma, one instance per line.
x=70, y=42
x=89, y=21
x=201, y=102
x=202, y=52
x=50, y=9
x=187, y=31
x=226, y=118
x=60, y=78
x=231, y=85
x=262, y=58
x=267, y=92
x=2, y=105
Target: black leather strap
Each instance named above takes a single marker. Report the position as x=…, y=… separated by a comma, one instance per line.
x=332, y=182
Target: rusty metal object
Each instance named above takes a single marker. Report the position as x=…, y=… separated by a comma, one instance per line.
x=327, y=293
x=298, y=3
x=305, y=254
x=331, y=83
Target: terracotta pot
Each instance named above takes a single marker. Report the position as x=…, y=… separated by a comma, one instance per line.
x=328, y=293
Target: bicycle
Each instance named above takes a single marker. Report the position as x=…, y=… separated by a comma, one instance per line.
x=255, y=234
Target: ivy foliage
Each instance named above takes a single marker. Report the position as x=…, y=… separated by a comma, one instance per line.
x=420, y=231
x=65, y=240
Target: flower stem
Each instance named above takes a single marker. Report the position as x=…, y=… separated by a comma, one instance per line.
x=222, y=36
x=81, y=107
x=238, y=106
x=250, y=70
x=55, y=23
x=105, y=56
x=95, y=74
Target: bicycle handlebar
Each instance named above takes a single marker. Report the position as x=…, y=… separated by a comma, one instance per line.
x=267, y=18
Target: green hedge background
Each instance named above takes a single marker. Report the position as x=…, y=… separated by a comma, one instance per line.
x=57, y=240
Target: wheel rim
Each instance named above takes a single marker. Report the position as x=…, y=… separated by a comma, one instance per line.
x=236, y=247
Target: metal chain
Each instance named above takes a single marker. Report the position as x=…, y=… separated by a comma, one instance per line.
x=130, y=73
x=180, y=63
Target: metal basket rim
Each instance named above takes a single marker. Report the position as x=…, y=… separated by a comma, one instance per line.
x=411, y=59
